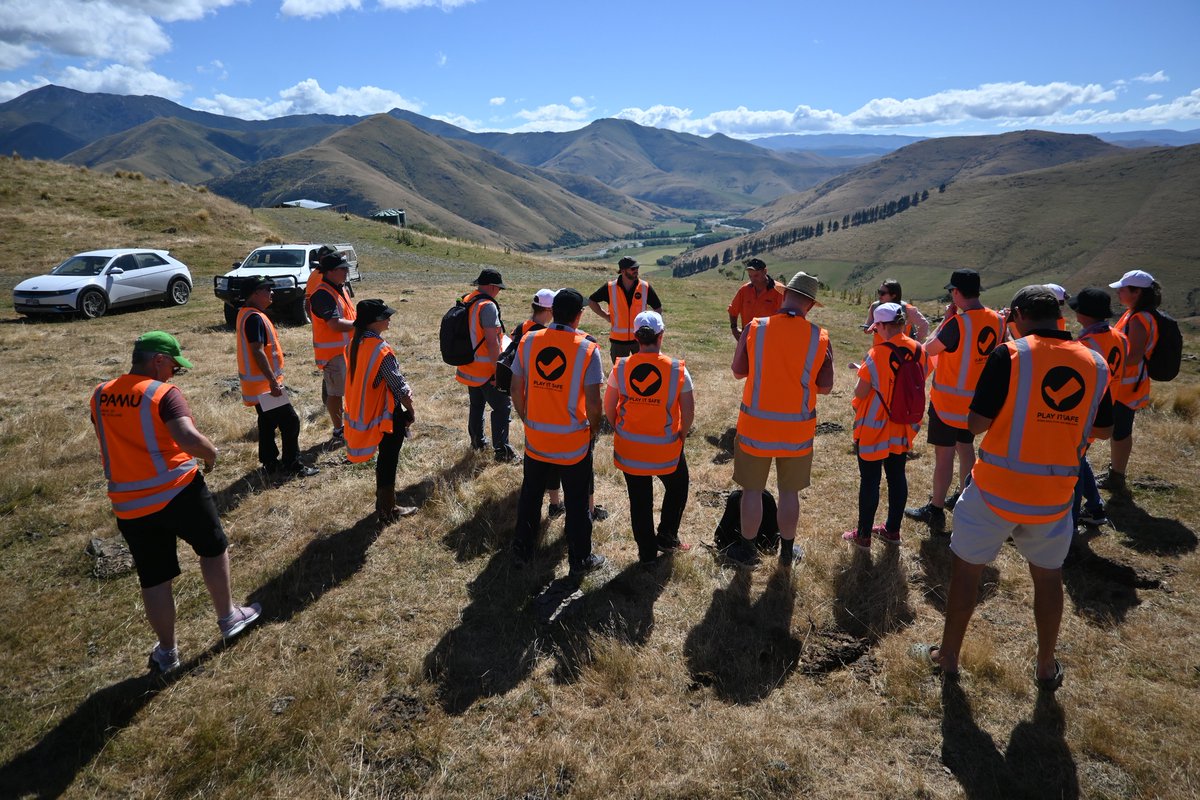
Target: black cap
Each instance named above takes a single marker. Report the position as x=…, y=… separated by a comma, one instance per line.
x=489, y=277
x=331, y=262
x=256, y=282
x=1092, y=302
x=756, y=263
x=568, y=303
x=1037, y=302
x=627, y=263
x=965, y=280
x=373, y=310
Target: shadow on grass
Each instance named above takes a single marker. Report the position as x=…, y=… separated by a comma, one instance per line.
x=489, y=528
x=1036, y=764
x=622, y=609
x=745, y=650
x=936, y=559
x=497, y=642
x=228, y=498
x=1148, y=534
x=872, y=597
x=49, y=767
x=1102, y=591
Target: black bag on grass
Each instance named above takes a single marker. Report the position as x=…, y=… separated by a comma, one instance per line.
x=729, y=529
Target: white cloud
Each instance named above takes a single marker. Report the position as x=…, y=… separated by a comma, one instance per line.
x=458, y=121
x=440, y=59
x=1153, y=97
x=577, y=101
x=14, y=55
x=408, y=5
x=11, y=89
x=553, y=117
x=121, y=79
x=1157, y=77
x=497, y=101
x=307, y=97
x=214, y=67
x=310, y=9
x=1185, y=107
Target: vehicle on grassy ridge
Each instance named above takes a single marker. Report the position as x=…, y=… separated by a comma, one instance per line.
x=288, y=266
x=90, y=283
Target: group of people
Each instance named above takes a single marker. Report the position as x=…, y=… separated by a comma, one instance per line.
x=1016, y=376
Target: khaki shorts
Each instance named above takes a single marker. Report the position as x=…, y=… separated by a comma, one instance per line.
x=751, y=472
x=979, y=533
x=334, y=376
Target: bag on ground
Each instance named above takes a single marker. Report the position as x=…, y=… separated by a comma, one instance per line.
x=454, y=335
x=729, y=529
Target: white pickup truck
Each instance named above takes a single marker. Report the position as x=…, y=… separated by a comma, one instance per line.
x=288, y=266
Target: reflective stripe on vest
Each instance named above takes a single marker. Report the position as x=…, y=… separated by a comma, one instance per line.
x=874, y=432
x=956, y=373
x=556, y=424
x=623, y=314
x=253, y=382
x=778, y=415
x=1135, y=383
x=369, y=407
x=328, y=344
x=481, y=370
x=145, y=467
x=646, y=434
x=1014, y=484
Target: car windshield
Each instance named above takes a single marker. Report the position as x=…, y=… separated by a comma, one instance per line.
x=275, y=258
x=81, y=266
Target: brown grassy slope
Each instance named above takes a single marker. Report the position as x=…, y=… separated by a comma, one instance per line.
x=383, y=162
x=930, y=163
x=411, y=663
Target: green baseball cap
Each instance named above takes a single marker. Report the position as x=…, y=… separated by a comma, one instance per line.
x=161, y=342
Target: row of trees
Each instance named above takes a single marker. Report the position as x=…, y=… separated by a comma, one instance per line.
x=755, y=245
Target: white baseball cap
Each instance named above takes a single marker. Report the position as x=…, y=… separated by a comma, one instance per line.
x=649, y=319
x=885, y=312
x=1136, y=278
x=1059, y=292
x=544, y=298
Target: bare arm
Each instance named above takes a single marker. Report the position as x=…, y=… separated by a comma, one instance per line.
x=341, y=325
x=594, y=306
x=491, y=338
x=193, y=442
x=733, y=328
x=610, y=404
x=517, y=391
x=977, y=423
x=1138, y=339
x=591, y=401
x=259, y=354
x=862, y=389
x=920, y=325
x=687, y=413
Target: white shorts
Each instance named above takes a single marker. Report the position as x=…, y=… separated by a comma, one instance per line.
x=979, y=533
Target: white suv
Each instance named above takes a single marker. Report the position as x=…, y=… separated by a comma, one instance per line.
x=288, y=266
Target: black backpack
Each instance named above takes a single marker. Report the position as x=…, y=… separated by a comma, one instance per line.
x=454, y=335
x=1163, y=363
x=504, y=364
x=729, y=529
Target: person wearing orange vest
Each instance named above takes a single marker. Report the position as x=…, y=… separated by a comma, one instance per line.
x=880, y=444
x=961, y=346
x=375, y=388
x=1093, y=309
x=1140, y=294
x=626, y=296
x=760, y=297
x=1037, y=401
x=890, y=291
x=787, y=361
x=148, y=444
x=487, y=330
x=649, y=404
x=556, y=392
x=331, y=308
x=260, y=373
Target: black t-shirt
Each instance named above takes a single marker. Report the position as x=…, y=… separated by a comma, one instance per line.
x=992, y=389
x=323, y=303
x=652, y=302
x=254, y=330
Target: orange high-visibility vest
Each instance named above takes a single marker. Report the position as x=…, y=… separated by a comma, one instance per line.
x=955, y=375
x=1029, y=458
x=624, y=313
x=328, y=344
x=250, y=375
x=748, y=303
x=1135, y=383
x=553, y=364
x=144, y=465
x=877, y=436
x=1013, y=333
x=778, y=415
x=1113, y=347
x=314, y=280
x=483, y=368
x=369, y=409
x=646, y=435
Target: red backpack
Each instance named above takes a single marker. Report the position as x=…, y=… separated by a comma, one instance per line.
x=907, y=404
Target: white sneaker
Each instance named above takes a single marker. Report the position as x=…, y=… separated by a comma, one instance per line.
x=163, y=662
x=239, y=619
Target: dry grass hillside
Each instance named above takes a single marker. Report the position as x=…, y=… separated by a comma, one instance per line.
x=418, y=661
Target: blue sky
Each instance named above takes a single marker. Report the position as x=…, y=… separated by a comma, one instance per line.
x=745, y=68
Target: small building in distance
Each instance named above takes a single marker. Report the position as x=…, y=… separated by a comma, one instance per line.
x=390, y=216
x=313, y=204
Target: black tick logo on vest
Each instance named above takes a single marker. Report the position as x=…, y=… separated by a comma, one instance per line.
x=645, y=379
x=1114, y=360
x=1062, y=388
x=550, y=363
x=986, y=342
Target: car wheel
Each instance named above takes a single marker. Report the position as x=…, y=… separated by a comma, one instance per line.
x=231, y=315
x=92, y=304
x=298, y=312
x=178, y=292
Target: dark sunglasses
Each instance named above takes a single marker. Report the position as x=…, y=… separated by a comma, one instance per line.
x=882, y=292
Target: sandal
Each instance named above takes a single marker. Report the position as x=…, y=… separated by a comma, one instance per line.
x=1052, y=683
x=924, y=654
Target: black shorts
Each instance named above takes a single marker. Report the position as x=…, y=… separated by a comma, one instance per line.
x=1122, y=422
x=942, y=435
x=192, y=516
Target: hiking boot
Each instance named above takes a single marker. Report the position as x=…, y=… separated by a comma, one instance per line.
x=300, y=469
x=952, y=500
x=886, y=536
x=743, y=553
x=1114, y=482
x=239, y=619
x=506, y=455
x=1094, y=519
x=590, y=564
x=336, y=439
x=163, y=662
x=480, y=444
x=930, y=514
x=789, y=551
x=599, y=513
x=864, y=542
x=556, y=510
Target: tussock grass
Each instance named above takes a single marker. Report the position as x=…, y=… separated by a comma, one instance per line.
x=410, y=661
